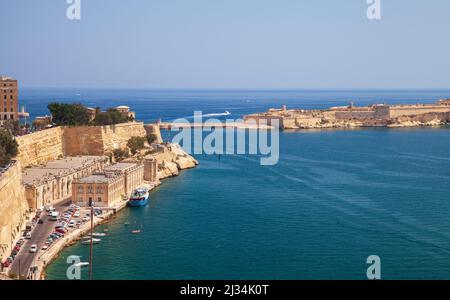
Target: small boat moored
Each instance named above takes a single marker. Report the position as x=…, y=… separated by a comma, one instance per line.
x=88, y=241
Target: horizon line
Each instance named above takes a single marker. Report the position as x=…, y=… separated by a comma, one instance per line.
x=235, y=89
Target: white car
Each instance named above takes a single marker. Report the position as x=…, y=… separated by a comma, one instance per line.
x=28, y=235
x=33, y=248
x=76, y=214
x=72, y=223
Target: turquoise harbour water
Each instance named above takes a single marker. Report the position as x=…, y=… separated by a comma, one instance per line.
x=335, y=198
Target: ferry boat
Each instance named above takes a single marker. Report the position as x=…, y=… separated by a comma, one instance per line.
x=139, y=197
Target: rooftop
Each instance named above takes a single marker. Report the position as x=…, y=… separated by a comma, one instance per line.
x=58, y=167
x=98, y=178
x=120, y=167
x=6, y=78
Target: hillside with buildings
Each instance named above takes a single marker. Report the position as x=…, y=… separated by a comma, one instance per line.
x=379, y=115
x=77, y=155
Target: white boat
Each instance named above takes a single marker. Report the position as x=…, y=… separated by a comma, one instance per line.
x=88, y=241
x=96, y=234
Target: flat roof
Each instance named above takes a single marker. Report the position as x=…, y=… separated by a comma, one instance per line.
x=119, y=166
x=6, y=78
x=100, y=178
x=58, y=167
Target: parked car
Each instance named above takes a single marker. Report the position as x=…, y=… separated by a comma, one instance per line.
x=61, y=230
x=41, y=221
x=28, y=235
x=33, y=248
x=6, y=264
x=45, y=247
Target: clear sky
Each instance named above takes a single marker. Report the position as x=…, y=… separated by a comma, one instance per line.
x=292, y=44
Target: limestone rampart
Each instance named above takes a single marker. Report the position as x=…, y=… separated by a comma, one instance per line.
x=411, y=110
x=13, y=208
x=40, y=147
x=51, y=144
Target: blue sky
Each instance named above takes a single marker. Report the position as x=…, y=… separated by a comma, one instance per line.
x=281, y=44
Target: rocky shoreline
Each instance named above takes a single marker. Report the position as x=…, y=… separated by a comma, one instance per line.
x=351, y=116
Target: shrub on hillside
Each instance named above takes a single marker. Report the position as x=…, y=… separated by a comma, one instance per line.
x=136, y=143
x=8, y=147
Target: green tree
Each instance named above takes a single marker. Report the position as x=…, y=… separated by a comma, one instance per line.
x=151, y=138
x=13, y=126
x=110, y=117
x=8, y=147
x=120, y=154
x=64, y=114
x=136, y=143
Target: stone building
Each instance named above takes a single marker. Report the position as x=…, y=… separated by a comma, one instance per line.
x=52, y=182
x=102, y=190
x=133, y=174
x=150, y=169
x=9, y=95
x=125, y=111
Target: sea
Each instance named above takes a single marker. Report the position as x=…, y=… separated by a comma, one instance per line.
x=334, y=199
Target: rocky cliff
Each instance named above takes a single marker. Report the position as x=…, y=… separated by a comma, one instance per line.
x=171, y=158
x=428, y=119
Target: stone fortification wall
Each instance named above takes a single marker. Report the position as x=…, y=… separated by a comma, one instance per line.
x=97, y=140
x=411, y=110
x=40, y=147
x=50, y=144
x=13, y=208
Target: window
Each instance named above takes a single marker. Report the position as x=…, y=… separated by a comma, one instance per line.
x=90, y=190
x=80, y=199
x=99, y=190
x=99, y=199
x=80, y=189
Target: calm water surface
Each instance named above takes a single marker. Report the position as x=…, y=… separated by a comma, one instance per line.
x=334, y=198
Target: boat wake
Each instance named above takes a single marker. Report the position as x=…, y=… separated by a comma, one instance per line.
x=226, y=113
